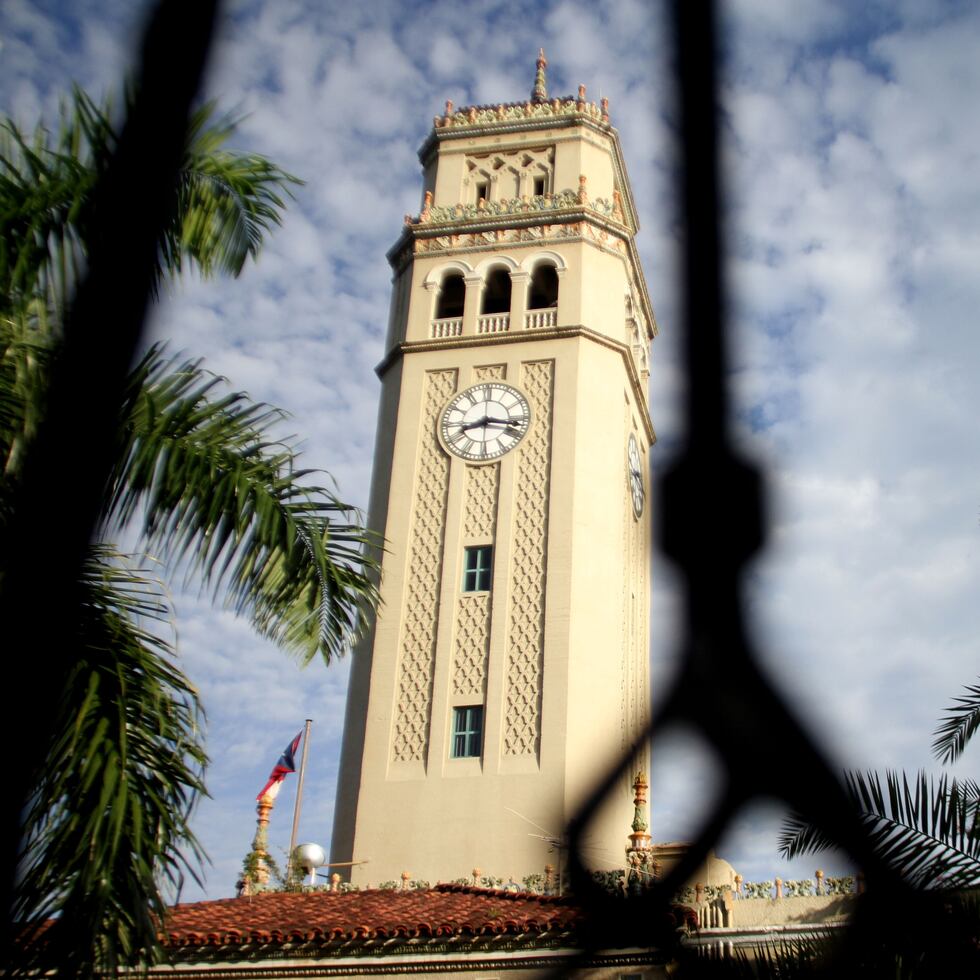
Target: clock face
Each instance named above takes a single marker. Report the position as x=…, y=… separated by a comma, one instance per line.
x=485, y=421
x=635, y=473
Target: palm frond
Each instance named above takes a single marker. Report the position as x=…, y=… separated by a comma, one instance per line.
x=23, y=375
x=962, y=719
x=226, y=202
x=45, y=184
x=926, y=828
x=203, y=473
x=110, y=813
x=787, y=959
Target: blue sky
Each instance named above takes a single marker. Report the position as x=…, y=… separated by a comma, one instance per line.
x=851, y=151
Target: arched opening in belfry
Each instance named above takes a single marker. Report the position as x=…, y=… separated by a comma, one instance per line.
x=496, y=292
x=452, y=296
x=544, y=288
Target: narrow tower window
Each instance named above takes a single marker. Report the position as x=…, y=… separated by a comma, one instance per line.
x=468, y=732
x=451, y=297
x=544, y=288
x=539, y=186
x=478, y=568
x=482, y=191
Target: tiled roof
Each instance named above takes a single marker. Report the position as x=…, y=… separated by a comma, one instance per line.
x=321, y=917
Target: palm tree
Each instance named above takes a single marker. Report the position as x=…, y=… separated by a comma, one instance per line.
x=926, y=827
x=201, y=477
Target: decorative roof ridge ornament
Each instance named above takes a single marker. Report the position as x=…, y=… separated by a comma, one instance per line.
x=502, y=112
x=540, y=91
x=640, y=838
x=641, y=864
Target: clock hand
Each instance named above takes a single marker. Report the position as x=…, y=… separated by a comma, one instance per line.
x=474, y=425
x=508, y=422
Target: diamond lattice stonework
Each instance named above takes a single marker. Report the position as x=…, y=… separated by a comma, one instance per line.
x=525, y=645
x=410, y=737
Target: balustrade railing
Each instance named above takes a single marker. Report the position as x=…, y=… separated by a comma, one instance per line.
x=535, y=319
x=493, y=323
x=447, y=327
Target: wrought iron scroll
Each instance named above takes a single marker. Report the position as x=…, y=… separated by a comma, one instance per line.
x=710, y=523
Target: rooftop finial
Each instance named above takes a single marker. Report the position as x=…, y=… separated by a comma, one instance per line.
x=540, y=92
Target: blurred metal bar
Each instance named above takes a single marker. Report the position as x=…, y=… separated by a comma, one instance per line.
x=710, y=523
x=59, y=499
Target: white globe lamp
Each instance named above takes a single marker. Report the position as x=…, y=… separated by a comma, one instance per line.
x=309, y=857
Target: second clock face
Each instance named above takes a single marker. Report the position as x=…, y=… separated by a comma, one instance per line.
x=634, y=472
x=485, y=421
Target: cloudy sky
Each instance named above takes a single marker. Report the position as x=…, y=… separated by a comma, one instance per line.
x=852, y=149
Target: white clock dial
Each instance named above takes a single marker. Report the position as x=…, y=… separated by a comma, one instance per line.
x=634, y=472
x=485, y=421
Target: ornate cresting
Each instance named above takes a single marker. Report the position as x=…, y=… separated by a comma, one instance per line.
x=482, y=115
x=567, y=200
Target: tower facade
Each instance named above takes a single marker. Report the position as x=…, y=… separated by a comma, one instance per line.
x=508, y=664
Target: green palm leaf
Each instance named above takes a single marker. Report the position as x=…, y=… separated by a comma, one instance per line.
x=45, y=185
x=212, y=489
x=23, y=363
x=958, y=727
x=926, y=828
x=110, y=813
x=226, y=201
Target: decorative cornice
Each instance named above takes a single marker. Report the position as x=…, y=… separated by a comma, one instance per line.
x=403, y=249
x=536, y=109
x=544, y=205
x=463, y=962
x=409, y=347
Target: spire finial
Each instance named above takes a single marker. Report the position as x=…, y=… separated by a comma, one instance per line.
x=540, y=92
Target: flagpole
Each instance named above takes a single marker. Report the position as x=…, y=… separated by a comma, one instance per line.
x=299, y=797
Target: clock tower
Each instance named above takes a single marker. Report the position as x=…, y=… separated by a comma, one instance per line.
x=508, y=664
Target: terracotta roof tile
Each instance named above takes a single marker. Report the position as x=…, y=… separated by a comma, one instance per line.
x=444, y=911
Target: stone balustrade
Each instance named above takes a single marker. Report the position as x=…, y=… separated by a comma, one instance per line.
x=493, y=323
x=448, y=327
x=535, y=319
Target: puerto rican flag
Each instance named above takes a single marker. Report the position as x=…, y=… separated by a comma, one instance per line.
x=286, y=763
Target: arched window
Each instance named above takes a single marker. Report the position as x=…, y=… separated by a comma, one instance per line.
x=496, y=292
x=544, y=288
x=451, y=297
